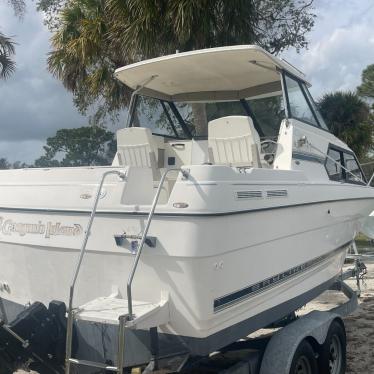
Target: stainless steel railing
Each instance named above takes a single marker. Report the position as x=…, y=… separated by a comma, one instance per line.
x=69, y=328
x=122, y=318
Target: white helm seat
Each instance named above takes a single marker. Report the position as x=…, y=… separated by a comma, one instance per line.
x=136, y=147
x=234, y=141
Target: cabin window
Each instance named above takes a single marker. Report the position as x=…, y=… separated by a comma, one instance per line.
x=345, y=168
x=351, y=164
x=298, y=105
x=334, y=169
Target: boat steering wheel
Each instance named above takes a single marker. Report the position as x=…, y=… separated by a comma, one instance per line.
x=268, y=149
x=268, y=146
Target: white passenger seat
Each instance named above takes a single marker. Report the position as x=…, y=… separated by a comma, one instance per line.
x=136, y=147
x=234, y=141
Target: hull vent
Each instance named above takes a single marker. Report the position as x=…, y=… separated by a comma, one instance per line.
x=277, y=193
x=248, y=195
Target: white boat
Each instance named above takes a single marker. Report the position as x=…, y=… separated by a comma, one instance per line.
x=255, y=205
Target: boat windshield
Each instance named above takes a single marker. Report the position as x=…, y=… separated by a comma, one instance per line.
x=183, y=120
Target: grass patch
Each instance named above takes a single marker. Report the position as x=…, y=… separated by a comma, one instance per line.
x=363, y=240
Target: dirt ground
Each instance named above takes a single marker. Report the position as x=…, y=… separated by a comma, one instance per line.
x=359, y=325
x=360, y=331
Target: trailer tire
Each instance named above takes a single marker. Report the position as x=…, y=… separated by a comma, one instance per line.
x=304, y=360
x=332, y=357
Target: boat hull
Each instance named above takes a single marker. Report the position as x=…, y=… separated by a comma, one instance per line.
x=221, y=289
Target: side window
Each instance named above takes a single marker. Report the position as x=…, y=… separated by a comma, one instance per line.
x=345, y=168
x=351, y=164
x=298, y=104
x=334, y=169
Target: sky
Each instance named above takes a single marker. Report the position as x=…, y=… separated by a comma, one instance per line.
x=33, y=104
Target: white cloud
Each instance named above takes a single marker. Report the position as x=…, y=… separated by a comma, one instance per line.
x=340, y=45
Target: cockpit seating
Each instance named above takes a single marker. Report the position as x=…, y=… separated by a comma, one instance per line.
x=136, y=147
x=234, y=141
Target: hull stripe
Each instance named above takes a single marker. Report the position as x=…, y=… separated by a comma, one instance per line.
x=174, y=214
x=266, y=284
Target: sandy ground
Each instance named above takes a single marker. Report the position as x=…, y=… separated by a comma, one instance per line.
x=360, y=330
x=359, y=325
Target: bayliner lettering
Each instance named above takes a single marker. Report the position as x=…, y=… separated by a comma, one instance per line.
x=237, y=296
x=9, y=227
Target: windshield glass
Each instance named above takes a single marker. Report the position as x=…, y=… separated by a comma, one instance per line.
x=299, y=106
x=198, y=115
x=157, y=116
x=269, y=113
x=302, y=105
x=321, y=121
x=191, y=118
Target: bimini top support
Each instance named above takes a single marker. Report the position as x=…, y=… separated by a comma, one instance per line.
x=133, y=95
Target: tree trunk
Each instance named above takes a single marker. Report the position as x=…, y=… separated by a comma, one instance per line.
x=200, y=119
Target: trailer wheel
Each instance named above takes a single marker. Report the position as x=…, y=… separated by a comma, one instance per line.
x=304, y=360
x=332, y=358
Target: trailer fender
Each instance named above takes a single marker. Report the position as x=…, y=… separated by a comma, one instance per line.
x=281, y=348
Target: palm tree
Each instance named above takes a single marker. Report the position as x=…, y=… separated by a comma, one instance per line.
x=366, y=88
x=7, y=65
x=349, y=118
x=94, y=37
x=82, y=59
x=7, y=50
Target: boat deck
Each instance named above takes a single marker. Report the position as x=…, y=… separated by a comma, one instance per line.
x=108, y=309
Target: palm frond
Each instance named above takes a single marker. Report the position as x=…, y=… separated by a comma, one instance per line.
x=7, y=64
x=6, y=44
x=19, y=7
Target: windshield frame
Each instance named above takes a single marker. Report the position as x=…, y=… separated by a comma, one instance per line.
x=186, y=131
x=175, y=112
x=309, y=101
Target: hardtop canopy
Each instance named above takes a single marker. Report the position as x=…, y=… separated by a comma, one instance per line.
x=225, y=73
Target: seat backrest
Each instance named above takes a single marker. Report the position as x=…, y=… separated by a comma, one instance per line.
x=233, y=140
x=136, y=147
